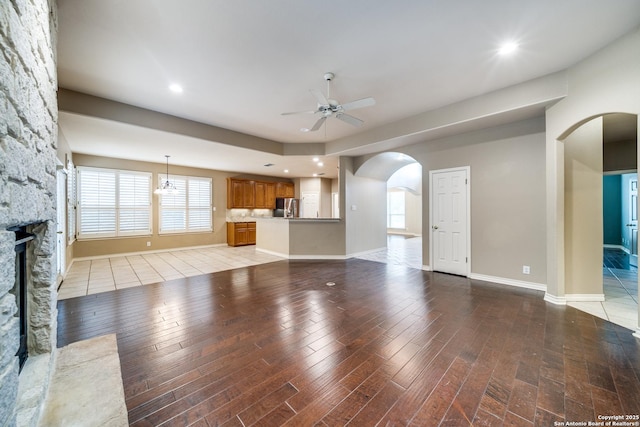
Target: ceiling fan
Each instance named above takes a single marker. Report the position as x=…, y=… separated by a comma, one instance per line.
x=328, y=107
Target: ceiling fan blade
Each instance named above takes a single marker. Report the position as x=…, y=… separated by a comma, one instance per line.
x=353, y=121
x=319, y=123
x=299, y=112
x=360, y=103
x=322, y=100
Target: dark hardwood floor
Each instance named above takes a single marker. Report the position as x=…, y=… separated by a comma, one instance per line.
x=273, y=345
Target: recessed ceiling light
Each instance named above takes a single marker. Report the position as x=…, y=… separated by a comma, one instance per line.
x=286, y=171
x=175, y=88
x=315, y=159
x=315, y=174
x=508, y=48
x=320, y=164
x=304, y=129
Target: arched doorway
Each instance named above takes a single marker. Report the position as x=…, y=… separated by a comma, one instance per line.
x=595, y=148
x=403, y=175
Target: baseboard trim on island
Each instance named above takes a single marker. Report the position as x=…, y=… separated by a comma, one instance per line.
x=311, y=257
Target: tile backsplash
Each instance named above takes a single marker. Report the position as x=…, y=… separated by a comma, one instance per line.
x=243, y=215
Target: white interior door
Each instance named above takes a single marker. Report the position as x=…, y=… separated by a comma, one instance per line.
x=310, y=204
x=449, y=198
x=61, y=207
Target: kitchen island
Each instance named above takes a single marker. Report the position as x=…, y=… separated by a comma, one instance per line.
x=301, y=238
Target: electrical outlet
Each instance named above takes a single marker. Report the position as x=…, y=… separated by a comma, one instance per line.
x=526, y=269
x=148, y=243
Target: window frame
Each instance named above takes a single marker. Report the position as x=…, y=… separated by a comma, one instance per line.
x=118, y=210
x=390, y=214
x=183, y=183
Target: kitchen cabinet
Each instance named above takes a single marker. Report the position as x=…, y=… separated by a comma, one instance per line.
x=235, y=193
x=250, y=194
x=251, y=233
x=241, y=233
x=260, y=195
x=270, y=195
x=285, y=189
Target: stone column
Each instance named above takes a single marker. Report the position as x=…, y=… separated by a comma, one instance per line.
x=28, y=142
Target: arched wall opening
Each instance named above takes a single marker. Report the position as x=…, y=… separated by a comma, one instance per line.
x=404, y=202
x=592, y=148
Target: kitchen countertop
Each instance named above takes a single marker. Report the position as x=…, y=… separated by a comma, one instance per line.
x=279, y=218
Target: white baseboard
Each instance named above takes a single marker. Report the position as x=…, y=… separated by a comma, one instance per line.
x=584, y=297
x=554, y=299
x=340, y=257
x=510, y=282
x=364, y=253
x=288, y=256
x=427, y=268
x=637, y=333
x=265, y=251
x=622, y=248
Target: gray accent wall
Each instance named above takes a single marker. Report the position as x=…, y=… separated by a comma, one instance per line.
x=507, y=196
x=612, y=210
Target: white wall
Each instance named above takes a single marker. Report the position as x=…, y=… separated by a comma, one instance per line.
x=363, y=205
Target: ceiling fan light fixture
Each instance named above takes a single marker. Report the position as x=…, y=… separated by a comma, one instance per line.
x=328, y=107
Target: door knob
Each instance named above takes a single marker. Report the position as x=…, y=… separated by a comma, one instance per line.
x=435, y=227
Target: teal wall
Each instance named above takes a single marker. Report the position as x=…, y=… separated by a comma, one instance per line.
x=612, y=209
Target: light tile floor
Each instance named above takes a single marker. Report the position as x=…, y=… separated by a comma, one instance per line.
x=400, y=250
x=620, y=304
x=108, y=274
x=88, y=277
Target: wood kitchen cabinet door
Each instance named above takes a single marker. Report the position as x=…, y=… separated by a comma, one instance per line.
x=235, y=194
x=261, y=195
x=285, y=189
x=251, y=233
x=270, y=195
x=248, y=194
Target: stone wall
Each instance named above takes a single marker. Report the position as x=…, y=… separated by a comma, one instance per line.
x=28, y=133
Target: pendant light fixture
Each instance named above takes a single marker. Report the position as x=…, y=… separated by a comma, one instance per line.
x=166, y=187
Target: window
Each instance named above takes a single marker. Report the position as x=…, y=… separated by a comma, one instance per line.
x=71, y=202
x=395, y=209
x=190, y=209
x=113, y=203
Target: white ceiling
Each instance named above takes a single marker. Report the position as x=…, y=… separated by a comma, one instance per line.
x=244, y=62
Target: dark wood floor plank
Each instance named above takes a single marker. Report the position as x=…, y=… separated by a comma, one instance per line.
x=271, y=345
x=435, y=407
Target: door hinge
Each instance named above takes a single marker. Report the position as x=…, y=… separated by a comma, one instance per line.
x=466, y=259
x=466, y=181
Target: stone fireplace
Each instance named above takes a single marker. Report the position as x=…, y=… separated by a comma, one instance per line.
x=28, y=148
x=20, y=290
